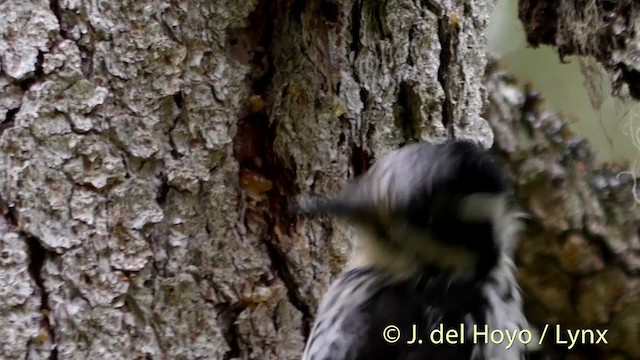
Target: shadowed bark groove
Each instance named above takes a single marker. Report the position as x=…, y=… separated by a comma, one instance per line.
x=408, y=113
x=85, y=46
x=37, y=255
x=447, y=46
x=8, y=119
x=263, y=174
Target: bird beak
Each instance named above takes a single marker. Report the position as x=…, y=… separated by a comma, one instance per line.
x=306, y=205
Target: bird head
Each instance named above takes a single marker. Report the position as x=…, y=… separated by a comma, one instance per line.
x=441, y=206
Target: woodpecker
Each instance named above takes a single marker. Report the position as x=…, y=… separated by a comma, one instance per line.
x=433, y=252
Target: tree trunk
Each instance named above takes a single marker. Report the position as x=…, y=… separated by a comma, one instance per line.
x=149, y=150
x=580, y=262
x=604, y=30
x=579, y=254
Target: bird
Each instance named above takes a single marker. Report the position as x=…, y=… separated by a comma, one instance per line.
x=432, y=255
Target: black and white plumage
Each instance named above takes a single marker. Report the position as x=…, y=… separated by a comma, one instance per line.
x=435, y=248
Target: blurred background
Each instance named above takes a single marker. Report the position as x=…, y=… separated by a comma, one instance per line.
x=608, y=125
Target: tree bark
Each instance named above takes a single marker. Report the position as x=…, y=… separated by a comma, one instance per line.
x=149, y=150
x=604, y=30
x=587, y=235
x=579, y=253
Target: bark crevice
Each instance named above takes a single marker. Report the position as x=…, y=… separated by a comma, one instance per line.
x=229, y=317
x=360, y=160
x=38, y=74
x=37, y=257
x=445, y=37
x=434, y=7
x=408, y=113
x=267, y=177
x=85, y=47
x=9, y=119
x=356, y=23
x=279, y=262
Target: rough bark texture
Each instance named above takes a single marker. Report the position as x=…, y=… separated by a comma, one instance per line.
x=607, y=30
x=579, y=256
x=148, y=150
x=585, y=224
